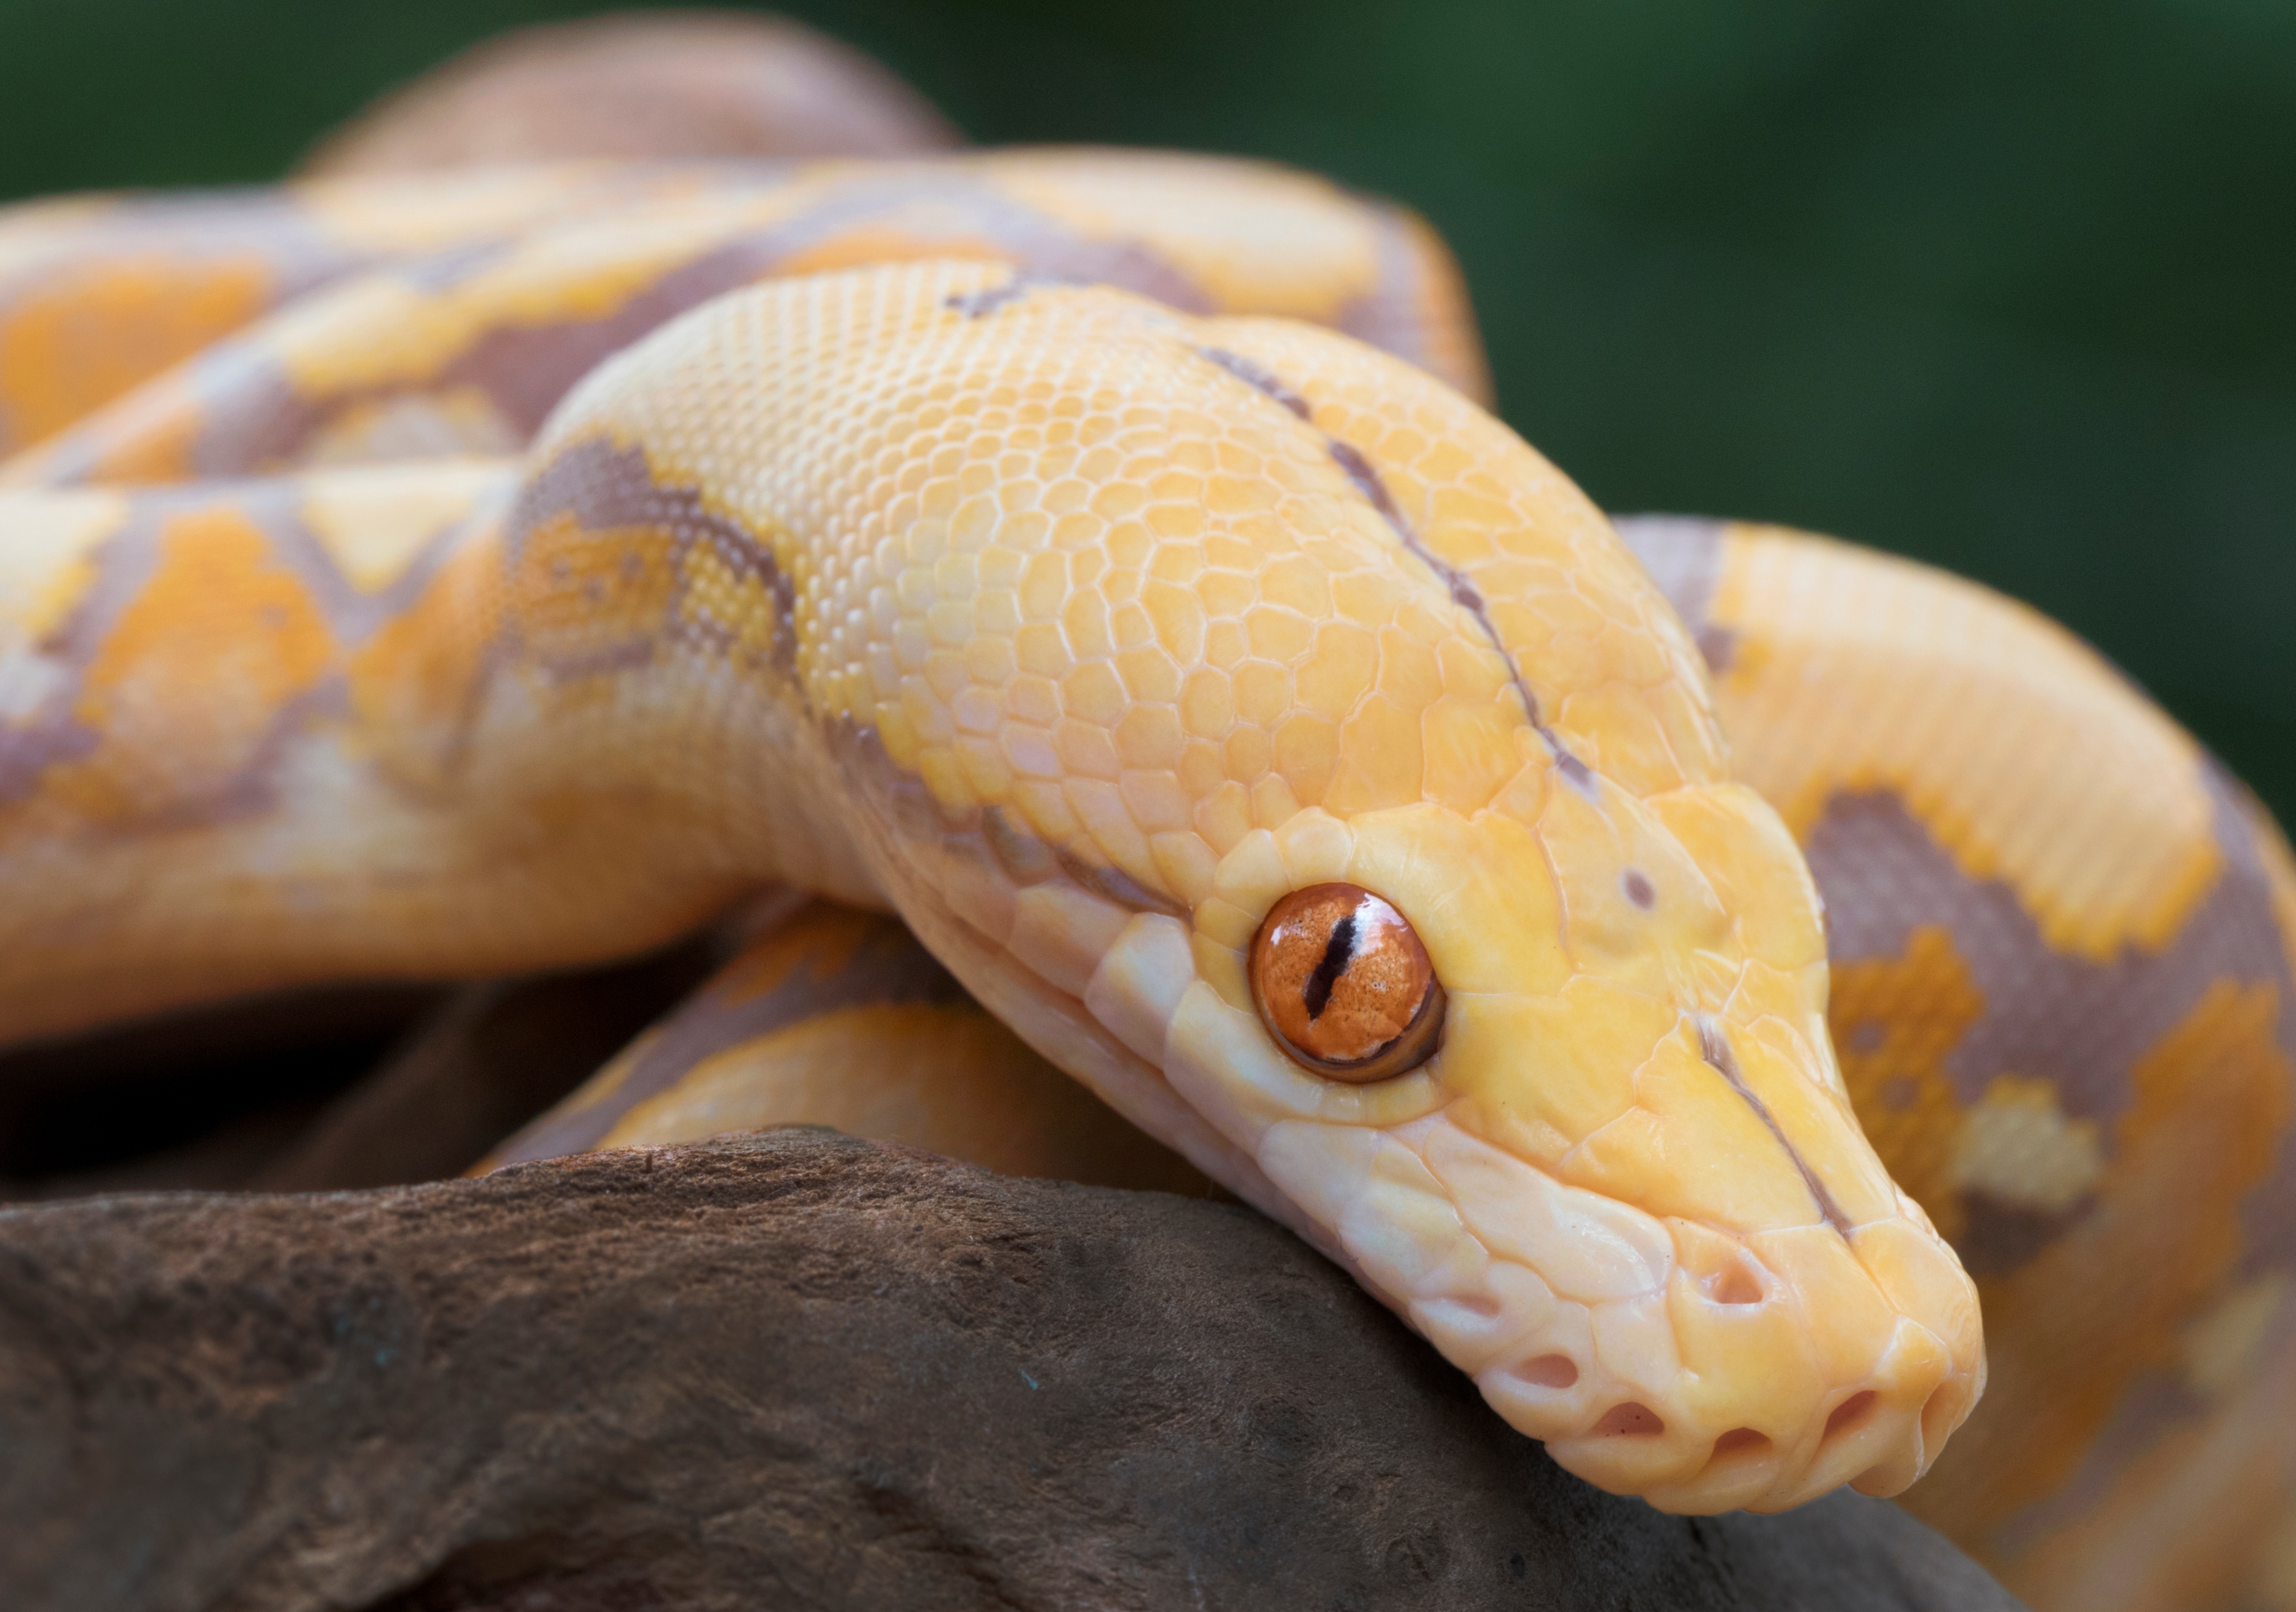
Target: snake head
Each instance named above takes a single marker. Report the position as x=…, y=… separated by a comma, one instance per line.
x=1622, y=1185
x=1285, y=749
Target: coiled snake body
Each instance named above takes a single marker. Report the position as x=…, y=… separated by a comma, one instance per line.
x=1100, y=634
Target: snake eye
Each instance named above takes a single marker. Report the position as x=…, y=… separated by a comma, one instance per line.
x=1345, y=984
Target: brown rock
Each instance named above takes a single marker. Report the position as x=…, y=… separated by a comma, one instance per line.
x=796, y=1370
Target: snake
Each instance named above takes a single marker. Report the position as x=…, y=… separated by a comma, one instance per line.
x=1158, y=726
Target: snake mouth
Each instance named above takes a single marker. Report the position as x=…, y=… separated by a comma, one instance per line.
x=1877, y=1434
x=1763, y=1391
x=1704, y=1370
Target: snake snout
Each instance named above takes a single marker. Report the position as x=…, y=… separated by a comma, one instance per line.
x=1703, y=1368
x=1874, y=1436
x=1786, y=1390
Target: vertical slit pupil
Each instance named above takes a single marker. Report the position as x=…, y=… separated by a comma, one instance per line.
x=1339, y=950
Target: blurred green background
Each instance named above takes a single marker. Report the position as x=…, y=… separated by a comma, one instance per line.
x=2003, y=285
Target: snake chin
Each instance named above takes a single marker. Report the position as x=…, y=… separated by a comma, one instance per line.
x=1658, y=1357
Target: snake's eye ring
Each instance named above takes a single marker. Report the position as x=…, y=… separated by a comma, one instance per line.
x=1344, y=983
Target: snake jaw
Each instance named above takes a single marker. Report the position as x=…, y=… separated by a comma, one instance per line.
x=1604, y=1331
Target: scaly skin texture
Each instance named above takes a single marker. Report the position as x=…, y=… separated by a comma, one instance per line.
x=461, y=307
x=837, y=1017
x=1081, y=631
x=99, y=294
x=479, y=715
x=2063, y=993
x=2085, y=1081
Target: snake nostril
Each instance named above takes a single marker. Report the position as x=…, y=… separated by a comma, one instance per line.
x=1741, y=1440
x=1549, y=1371
x=1629, y=1420
x=1735, y=1286
x=1850, y=1411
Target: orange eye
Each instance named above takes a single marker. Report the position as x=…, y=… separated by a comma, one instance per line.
x=1345, y=984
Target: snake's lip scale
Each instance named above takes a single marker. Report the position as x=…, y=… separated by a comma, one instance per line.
x=1577, y=1315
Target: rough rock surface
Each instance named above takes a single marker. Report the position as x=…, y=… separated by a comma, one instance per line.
x=796, y=1370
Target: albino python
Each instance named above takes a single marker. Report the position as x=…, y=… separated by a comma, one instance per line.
x=496, y=570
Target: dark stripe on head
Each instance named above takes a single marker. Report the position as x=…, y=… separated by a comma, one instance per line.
x=980, y=304
x=1366, y=481
x=1714, y=1046
x=1258, y=378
